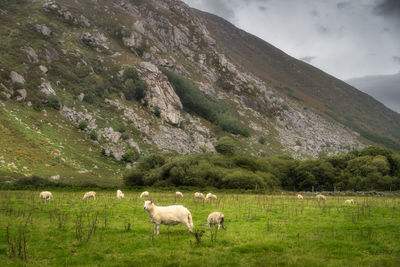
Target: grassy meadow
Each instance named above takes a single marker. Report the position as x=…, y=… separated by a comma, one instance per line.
x=266, y=230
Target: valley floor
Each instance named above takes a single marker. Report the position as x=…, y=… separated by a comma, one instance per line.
x=262, y=230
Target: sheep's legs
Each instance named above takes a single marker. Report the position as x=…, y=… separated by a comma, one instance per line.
x=156, y=229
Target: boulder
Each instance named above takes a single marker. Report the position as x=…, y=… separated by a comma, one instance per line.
x=43, y=69
x=16, y=78
x=21, y=94
x=46, y=88
x=32, y=56
x=81, y=96
x=43, y=29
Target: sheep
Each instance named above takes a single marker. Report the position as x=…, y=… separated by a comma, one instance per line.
x=198, y=195
x=299, y=197
x=321, y=197
x=211, y=196
x=349, y=201
x=216, y=218
x=89, y=195
x=46, y=195
x=120, y=195
x=178, y=194
x=170, y=215
x=144, y=194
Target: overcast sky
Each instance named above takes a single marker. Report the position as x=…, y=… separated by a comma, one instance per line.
x=346, y=38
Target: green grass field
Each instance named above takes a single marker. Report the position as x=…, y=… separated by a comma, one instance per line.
x=266, y=230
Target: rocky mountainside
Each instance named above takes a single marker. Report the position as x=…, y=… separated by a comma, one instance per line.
x=87, y=87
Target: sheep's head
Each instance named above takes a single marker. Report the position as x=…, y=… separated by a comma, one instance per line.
x=148, y=205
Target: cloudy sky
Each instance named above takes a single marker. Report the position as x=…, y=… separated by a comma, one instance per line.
x=346, y=38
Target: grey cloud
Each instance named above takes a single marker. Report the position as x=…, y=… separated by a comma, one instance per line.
x=396, y=59
x=389, y=8
x=262, y=8
x=343, y=5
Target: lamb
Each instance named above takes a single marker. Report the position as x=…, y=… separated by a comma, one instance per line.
x=170, y=215
x=178, y=194
x=216, y=218
x=198, y=195
x=299, y=197
x=89, y=195
x=46, y=195
x=211, y=196
x=120, y=195
x=349, y=201
x=321, y=197
x=144, y=194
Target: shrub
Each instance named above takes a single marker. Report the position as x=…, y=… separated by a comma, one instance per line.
x=130, y=73
x=152, y=161
x=157, y=112
x=131, y=155
x=93, y=135
x=134, y=178
x=125, y=136
x=83, y=125
x=121, y=127
x=243, y=179
x=54, y=103
x=262, y=140
x=226, y=146
x=89, y=97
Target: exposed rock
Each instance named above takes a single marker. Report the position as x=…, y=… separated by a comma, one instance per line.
x=32, y=56
x=43, y=29
x=84, y=21
x=133, y=144
x=46, y=88
x=96, y=39
x=21, y=94
x=16, y=78
x=43, y=69
x=51, y=54
x=81, y=96
x=110, y=134
x=160, y=93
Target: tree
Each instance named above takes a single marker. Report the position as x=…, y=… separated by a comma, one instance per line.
x=226, y=146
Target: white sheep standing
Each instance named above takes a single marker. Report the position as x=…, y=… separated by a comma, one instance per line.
x=169, y=215
x=321, y=197
x=46, y=195
x=349, y=201
x=90, y=194
x=120, y=195
x=178, y=194
x=198, y=195
x=211, y=196
x=216, y=218
x=299, y=197
x=144, y=194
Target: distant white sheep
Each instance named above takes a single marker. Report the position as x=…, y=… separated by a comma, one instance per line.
x=178, y=194
x=90, y=194
x=46, y=195
x=321, y=197
x=216, y=218
x=299, y=197
x=211, y=196
x=170, y=215
x=349, y=201
x=198, y=195
x=144, y=194
x=120, y=195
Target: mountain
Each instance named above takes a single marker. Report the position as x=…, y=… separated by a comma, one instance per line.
x=88, y=87
x=384, y=88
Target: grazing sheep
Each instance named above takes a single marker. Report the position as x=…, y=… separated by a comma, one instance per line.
x=89, y=195
x=299, y=197
x=178, y=194
x=120, y=195
x=211, y=196
x=321, y=197
x=198, y=195
x=216, y=218
x=170, y=215
x=349, y=201
x=144, y=194
x=46, y=195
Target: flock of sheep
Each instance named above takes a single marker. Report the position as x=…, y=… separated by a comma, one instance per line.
x=175, y=214
x=169, y=215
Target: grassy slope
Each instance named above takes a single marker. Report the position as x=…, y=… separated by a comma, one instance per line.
x=50, y=145
x=261, y=230
x=303, y=82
